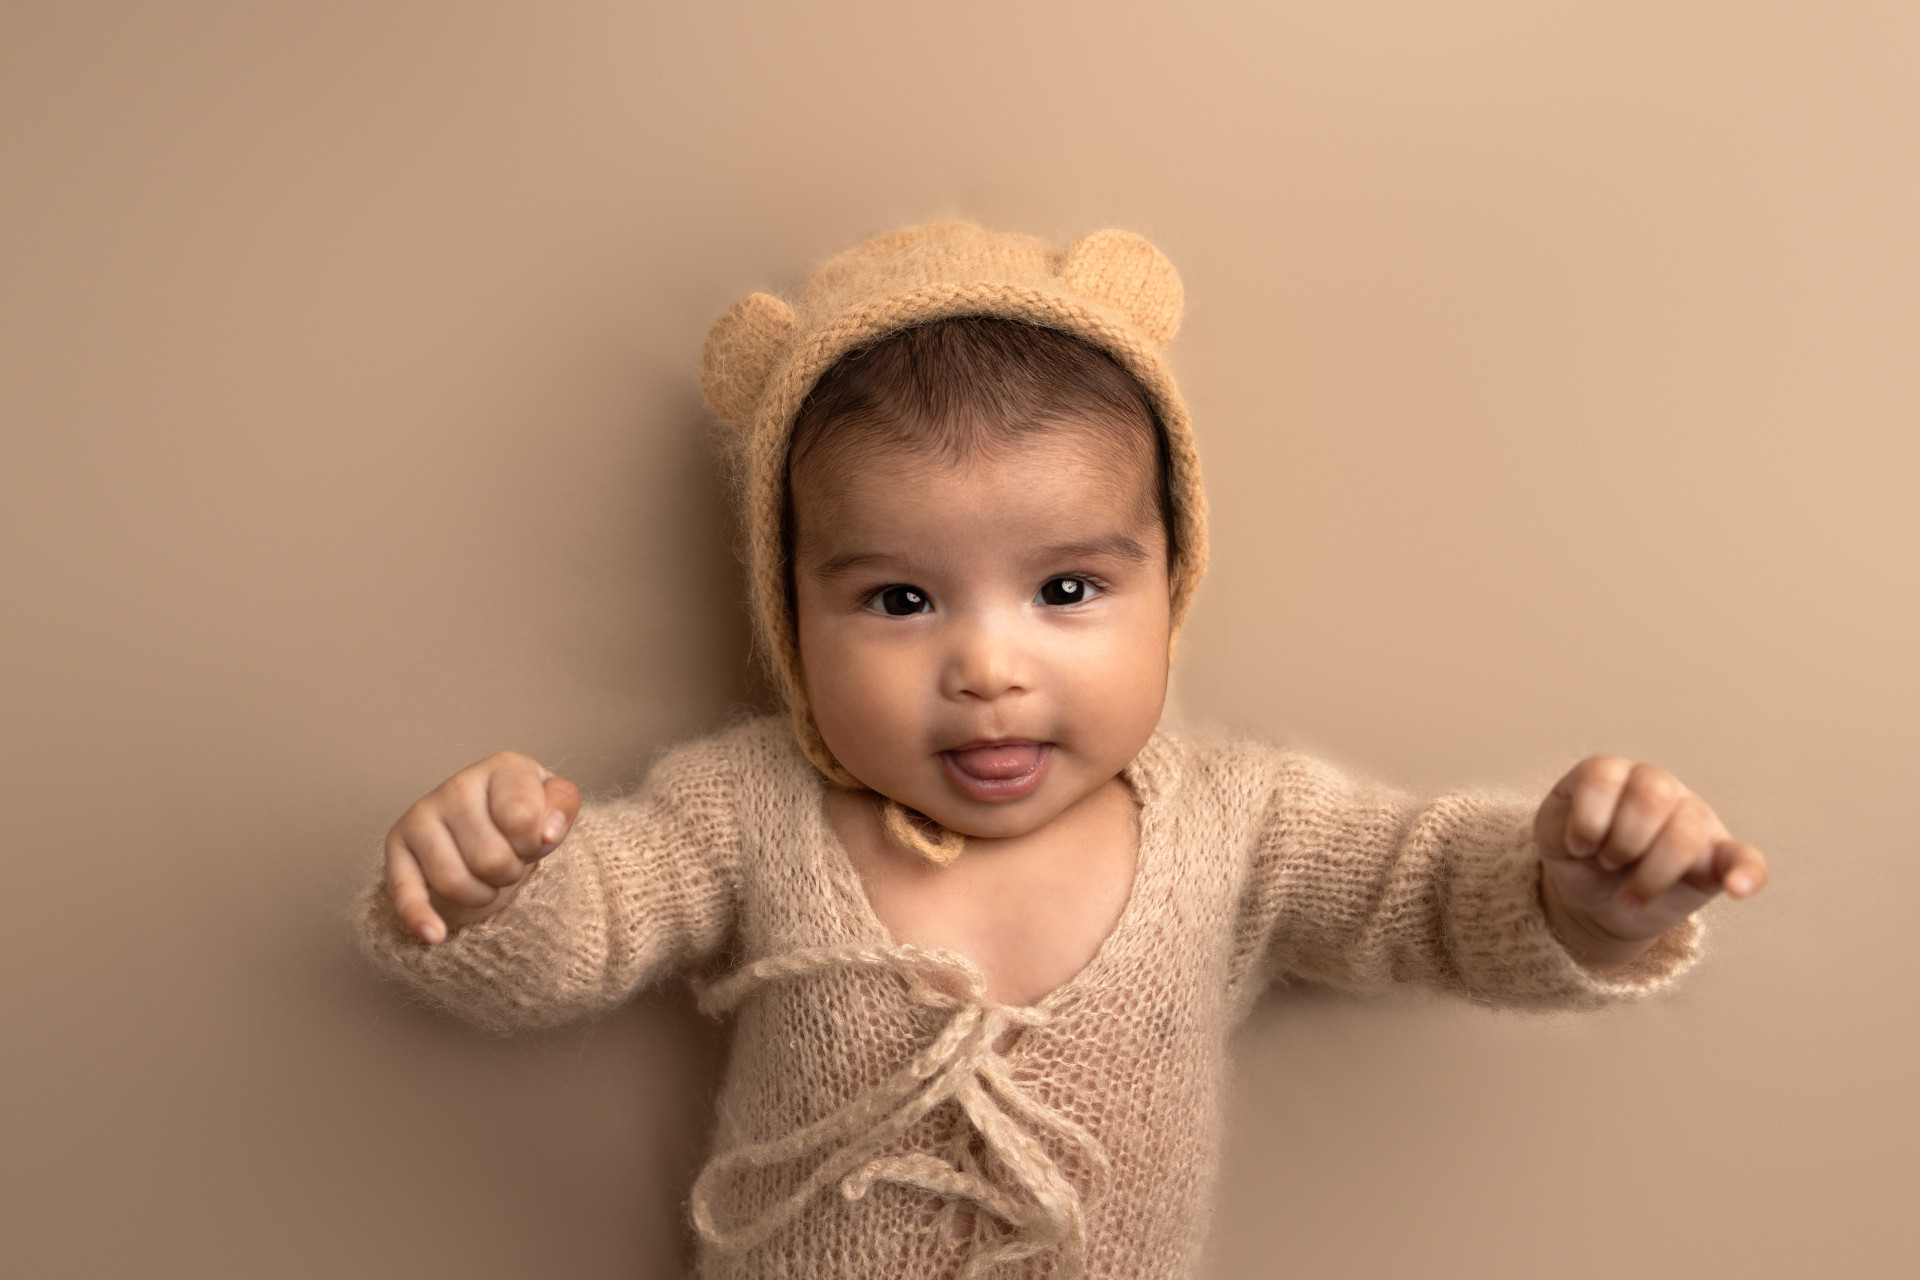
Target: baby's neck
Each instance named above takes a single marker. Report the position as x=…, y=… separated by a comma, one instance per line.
x=1031, y=910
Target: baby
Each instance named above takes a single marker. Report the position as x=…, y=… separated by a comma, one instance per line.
x=984, y=930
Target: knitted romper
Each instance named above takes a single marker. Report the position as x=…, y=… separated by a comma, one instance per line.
x=881, y=1116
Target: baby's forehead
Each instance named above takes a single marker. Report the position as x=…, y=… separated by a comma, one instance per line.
x=1078, y=464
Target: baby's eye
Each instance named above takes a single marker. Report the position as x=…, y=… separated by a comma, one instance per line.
x=1059, y=591
x=899, y=602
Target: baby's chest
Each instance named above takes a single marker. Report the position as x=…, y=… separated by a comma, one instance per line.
x=1031, y=919
x=1029, y=934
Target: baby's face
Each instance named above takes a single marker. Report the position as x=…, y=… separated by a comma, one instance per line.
x=985, y=642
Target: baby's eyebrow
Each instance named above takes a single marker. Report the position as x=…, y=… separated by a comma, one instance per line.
x=1119, y=546
x=847, y=561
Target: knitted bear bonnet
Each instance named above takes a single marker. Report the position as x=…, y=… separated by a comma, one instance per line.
x=1110, y=289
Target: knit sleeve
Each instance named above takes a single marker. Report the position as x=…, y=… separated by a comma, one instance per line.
x=1359, y=886
x=642, y=886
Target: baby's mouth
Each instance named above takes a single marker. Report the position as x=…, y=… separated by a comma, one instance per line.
x=997, y=760
x=998, y=770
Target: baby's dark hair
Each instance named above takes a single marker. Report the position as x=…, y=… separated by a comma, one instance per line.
x=974, y=386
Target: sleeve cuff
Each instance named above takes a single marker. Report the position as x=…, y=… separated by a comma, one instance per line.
x=500, y=974
x=1508, y=953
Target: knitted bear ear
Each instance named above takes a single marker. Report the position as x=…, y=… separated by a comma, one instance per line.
x=1124, y=271
x=739, y=354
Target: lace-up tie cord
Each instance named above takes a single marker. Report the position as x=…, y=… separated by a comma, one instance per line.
x=1041, y=1208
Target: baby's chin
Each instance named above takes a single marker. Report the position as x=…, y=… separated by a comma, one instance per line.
x=1006, y=820
x=1002, y=822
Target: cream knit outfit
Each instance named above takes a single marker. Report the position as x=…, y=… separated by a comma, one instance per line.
x=881, y=1116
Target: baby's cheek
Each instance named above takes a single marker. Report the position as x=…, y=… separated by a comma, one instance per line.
x=860, y=708
x=1117, y=701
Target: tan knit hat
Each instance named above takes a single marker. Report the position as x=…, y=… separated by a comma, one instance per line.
x=1111, y=289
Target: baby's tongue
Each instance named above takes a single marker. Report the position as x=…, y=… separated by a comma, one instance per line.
x=1008, y=760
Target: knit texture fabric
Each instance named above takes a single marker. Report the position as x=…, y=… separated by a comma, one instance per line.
x=881, y=1116
x=1111, y=289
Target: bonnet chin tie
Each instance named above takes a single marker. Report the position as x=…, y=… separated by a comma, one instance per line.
x=1039, y=1206
x=899, y=822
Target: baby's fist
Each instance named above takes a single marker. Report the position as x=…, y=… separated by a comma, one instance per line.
x=456, y=855
x=1628, y=853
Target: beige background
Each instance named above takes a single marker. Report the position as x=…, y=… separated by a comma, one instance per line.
x=1556, y=373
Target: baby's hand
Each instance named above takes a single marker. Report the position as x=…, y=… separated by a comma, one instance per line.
x=1629, y=853
x=454, y=857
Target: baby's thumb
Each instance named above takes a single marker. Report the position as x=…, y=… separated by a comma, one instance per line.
x=563, y=806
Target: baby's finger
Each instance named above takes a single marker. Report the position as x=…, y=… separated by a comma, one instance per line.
x=1741, y=867
x=1646, y=803
x=563, y=807
x=482, y=848
x=1592, y=789
x=433, y=847
x=1685, y=841
x=1550, y=823
x=407, y=888
x=517, y=803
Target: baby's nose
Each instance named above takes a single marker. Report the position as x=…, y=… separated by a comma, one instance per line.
x=986, y=662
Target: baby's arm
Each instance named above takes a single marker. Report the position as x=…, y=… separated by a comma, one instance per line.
x=1363, y=887
x=1628, y=854
x=535, y=935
